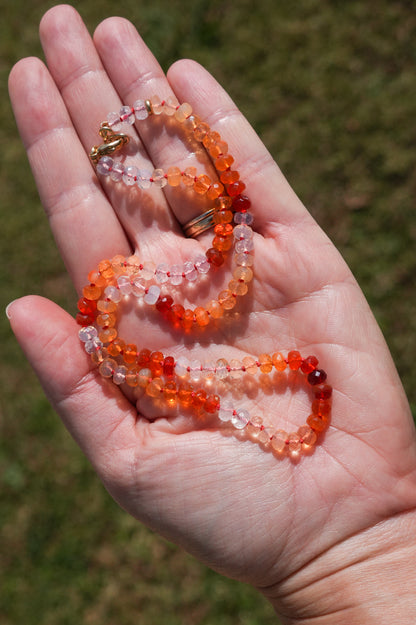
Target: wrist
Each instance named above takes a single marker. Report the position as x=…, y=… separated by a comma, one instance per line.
x=368, y=578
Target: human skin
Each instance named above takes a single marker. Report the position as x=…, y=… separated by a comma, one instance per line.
x=328, y=538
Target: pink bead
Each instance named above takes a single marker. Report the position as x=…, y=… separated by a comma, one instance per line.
x=117, y=171
x=143, y=179
x=140, y=110
x=105, y=165
x=130, y=175
x=127, y=115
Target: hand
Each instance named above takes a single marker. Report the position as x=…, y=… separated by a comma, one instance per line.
x=283, y=526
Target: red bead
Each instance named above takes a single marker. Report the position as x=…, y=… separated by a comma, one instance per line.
x=212, y=404
x=318, y=376
x=168, y=366
x=87, y=306
x=241, y=203
x=294, y=360
x=84, y=320
x=309, y=364
x=199, y=398
x=322, y=392
x=143, y=358
x=156, y=364
x=164, y=303
x=214, y=257
x=235, y=188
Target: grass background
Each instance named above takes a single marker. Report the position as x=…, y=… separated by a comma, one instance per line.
x=330, y=86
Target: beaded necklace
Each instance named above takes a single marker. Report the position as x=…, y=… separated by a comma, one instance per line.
x=182, y=382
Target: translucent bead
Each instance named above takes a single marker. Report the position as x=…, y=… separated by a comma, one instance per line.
x=236, y=370
x=202, y=184
x=243, y=259
x=106, y=306
x=243, y=246
x=265, y=435
x=307, y=436
x=168, y=366
x=132, y=378
x=243, y=232
x=250, y=365
x=92, y=346
x=161, y=274
x=212, y=403
x=87, y=334
x=113, y=119
x=195, y=370
x=130, y=353
x=170, y=392
x=309, y=364
x=215, y=190
x=238, y=288
x=214, y=257
x=154, y=388
x=227, y=300
x=216, y=311
x=158, y=177
x=243, y=273
x=254, y=426
x=294, y=443
x=113, y=293
x=106, y=320
x=127, y=114
x=107, y=367
x=225, y=412
x=321, y=407
x=190, y=272
x=119, y=375
x=176, y=277
x=148, y=271
x=201, y=130
x=117, y=171
x=323, y=391
x=174, y=176
x=105, y=165
x=124, y=285
x=318, y=376
x=278, y=441
x=143, y=377
x=144, y=179
x=107, y=335
x=316, y=422
x=240, y=418
x=221, y=369
x=130, y=175
x=152, y=294
x=181, y=367
x=140, y=110
x=170, y=106
x=183, y=111
x=243, y=218
x=201, y=264
x=157, y=106
x=185, y=394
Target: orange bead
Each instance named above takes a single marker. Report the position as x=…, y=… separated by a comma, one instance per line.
x=188, y=176
x=279, y=362
x=250, y=365
x=107, y=335
x=238, y=288
x=222, y=244
x=201, y=316
x=187, y=319
x=155, y=388
x=202, y=184
x=174, y=176
x=321, y=407
x=211, y=138
x=215, y=309
x=229, y=176
x=316, y=422
x=215, y=190
x=307, y=436
x=223, y=162
x=223, y=217
x=183, y=112
x=144, y=377
x=170, y=392
x=116, y=347
x=227, y=300
x=201, y=130
x=130, y=353
x=106, y=269
x=212, y=404
x=199, y=398
x=266, y=364
x=92, y=292
x=143, y=358
x=223, y=203
x=106, y=306
x=106, y=320
x=96, y=278
x=132, y=378
x=185, y=394
x=245, y=274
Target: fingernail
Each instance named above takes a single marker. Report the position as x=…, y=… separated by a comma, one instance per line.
x=8, y=311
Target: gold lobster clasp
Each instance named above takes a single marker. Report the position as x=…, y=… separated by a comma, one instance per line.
x=113, y=141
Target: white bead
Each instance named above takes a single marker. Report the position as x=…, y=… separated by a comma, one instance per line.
x=117, y=171
x=152, y=294
x=124, y=285
x=195, y=373
x=140, y=110
x=113, y=119
x=225, y=412
x=244, y=245
x=119, y=375
x=138, y=286
x=127, y=115
x=148, y=271
x=190, y=271
x=87, y=334
x=181, y=367
x=240, y=419
x=130, y=175
x=113, y=294
x=93, y=345
x=176, y=277
x=143, y=179
x=202, y=265
x=162, y=273
x=242, y=232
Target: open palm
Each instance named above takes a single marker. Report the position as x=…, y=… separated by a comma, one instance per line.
x=240, y=509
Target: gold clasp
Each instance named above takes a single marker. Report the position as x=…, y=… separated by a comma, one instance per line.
x=113, y=141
